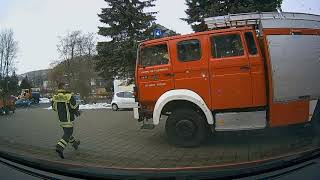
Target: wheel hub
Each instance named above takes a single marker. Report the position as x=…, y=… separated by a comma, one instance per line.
x=185, y=128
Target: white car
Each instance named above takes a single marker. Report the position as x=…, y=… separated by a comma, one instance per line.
x=123, y=100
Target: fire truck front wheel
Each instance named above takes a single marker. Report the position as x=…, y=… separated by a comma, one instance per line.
x=186, y=128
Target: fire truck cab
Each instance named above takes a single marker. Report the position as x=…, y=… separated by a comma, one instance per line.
x=251, y=71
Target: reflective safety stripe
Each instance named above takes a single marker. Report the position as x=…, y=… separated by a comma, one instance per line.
x=66, y=124
x=72, y=139
x=54, y=106
x=74, y=106
x=63, y=141
x=62, y=145
x=60, y=97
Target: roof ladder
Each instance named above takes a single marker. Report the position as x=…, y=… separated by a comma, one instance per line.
x=266, y=19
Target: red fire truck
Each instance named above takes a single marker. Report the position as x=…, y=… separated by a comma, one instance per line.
x=250, y=71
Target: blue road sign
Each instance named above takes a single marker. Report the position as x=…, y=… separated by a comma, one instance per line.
x=157, y=33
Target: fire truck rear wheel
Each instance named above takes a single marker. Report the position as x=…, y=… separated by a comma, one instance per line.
x=186, y=128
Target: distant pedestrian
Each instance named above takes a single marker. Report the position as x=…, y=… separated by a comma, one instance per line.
x=66, y=106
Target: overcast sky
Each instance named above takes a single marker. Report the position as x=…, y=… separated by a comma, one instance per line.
x=38, y=23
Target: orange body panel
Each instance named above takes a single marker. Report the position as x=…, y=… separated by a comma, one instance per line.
x=281, y=114
x=154, y=82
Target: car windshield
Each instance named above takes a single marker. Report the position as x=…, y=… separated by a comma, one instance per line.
x=158, y=86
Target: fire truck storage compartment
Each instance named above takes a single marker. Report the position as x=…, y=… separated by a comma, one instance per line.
x=295, y=63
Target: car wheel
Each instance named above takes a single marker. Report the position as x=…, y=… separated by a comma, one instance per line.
x=6, y=111
x=186, y=128
x=115, y=107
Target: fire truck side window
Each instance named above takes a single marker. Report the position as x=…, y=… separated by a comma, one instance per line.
x=154, y=55
x=250, y=43
x=189, y=50
x=226, y=46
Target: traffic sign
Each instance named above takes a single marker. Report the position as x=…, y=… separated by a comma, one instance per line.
x=157, y=33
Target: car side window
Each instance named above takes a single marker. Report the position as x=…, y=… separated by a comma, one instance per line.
x=229, y=45
x=154, y=55
x=128, y=95
x=250, y=43
x=120, y=94
x=189, y=50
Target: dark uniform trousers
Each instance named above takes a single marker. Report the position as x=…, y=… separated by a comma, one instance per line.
x=66, y=138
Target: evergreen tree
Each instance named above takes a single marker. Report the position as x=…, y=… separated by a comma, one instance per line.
x=127, y=22
x=13, y=84
x=25, y=84
x=9, y=85
x=198, y=10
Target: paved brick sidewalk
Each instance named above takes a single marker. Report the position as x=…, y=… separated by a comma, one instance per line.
x=115, y=139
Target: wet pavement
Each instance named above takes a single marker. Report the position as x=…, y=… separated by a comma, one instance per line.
x=114, y=139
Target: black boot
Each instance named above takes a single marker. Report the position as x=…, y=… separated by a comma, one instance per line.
x=60, y=153
x=76, y=144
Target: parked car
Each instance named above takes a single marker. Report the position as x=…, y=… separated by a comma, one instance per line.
x=123, y=100
x=23, y=103
x=35, y=97
x=78, y=99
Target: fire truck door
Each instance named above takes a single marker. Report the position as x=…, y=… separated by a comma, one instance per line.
x=154, y=72
x=190, y=65
x=231, y=82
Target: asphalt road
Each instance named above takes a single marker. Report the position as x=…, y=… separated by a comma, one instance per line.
x=114, y=139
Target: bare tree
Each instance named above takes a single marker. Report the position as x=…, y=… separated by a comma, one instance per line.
x=8, y=52
x=67, y=49
x=90, y=41
x=75, y=45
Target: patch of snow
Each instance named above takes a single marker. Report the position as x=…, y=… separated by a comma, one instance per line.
x=44, y=101
x=49, y=108
x=95, y=106
x=91, y=106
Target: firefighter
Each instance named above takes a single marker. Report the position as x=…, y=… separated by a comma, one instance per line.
x=65, y=104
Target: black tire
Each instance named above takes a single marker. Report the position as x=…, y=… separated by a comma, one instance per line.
x=6, y=111
x=186, y=128
x=114, y=107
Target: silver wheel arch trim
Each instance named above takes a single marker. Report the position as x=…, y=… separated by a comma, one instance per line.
x=181, y=94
